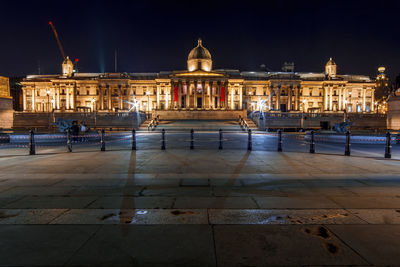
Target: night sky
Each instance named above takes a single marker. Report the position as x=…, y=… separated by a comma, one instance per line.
x=152, y=36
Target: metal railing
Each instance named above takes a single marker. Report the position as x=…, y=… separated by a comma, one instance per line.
x=387, y=146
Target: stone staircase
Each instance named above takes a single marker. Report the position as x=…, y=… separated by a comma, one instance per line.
x=145, y=125
x=198, y=125
x=251, y=124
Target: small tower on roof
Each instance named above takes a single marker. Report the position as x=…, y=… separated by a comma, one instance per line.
x=330, y=68
x=67, y=67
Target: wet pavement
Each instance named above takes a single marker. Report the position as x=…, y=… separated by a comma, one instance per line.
x=198, y=208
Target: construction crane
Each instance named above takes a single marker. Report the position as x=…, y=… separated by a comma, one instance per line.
x=58, y=39
x=61, y=48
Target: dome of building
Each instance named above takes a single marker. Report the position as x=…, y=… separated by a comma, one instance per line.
x=199, y=58
x=330, y=62
x=330, y=68
x=67, y=67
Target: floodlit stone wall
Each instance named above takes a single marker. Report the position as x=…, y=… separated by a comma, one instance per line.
x=393, y=115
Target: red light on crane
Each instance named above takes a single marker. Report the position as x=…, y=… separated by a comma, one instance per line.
x=50, y=23
x=76, y=59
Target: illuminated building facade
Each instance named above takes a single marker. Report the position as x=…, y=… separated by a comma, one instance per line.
x=6, y=111
x=199, y=88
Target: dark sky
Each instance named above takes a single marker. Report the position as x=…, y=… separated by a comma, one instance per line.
x=158, y=35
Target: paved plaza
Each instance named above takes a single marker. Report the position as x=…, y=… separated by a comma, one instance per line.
x=198, y=208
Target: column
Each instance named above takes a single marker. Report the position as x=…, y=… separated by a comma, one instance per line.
x=325, y=98
x=240, y=97
x=289, y=102
x=344, y=98
x=372, y=105
x=24, y=99
x=109, y=98
x=119, y=97
x=330, y=97
x=203, y=94
x=298, y=98
x=270, y=90
x=180, y=94
x=232, y=95
x=195, y=95
x=210, y=96
x=166, y=99
x=58, y=97
x=363, y=90
x=340, y=97
x=73, y=97
x=226, y=95
x=218, y=104
x=101, y=97
x=187, y=94
x=158, y=97
x=67, y=98
x=278, y=98
x=172, y=94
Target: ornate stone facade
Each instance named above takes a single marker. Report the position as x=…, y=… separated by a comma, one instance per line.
x=199, y=88
x=6, y=110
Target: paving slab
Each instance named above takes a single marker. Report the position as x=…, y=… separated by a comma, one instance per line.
x=7, y=200
x=133, y=216
x=195, y=182
x=386, y=191
x=41, y=245
x=260, y=216
x=107, y=191
x=38, y=191
x=151, y=245
x=295, y=203
x=378, y=216
x=378, y=244
x=234, y=191
x=116, y=202
x=51, y=202
x=29, y=216
x=176, y=191
x=280, y=245
x=360, y=202
x=215, y=203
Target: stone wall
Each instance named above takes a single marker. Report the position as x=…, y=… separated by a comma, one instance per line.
x=199, y=114
x=26, y=120
x=6, y=113
x=393, y=115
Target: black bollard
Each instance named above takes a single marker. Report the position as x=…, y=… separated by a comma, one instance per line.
x=347, y=147
x=102, y=141
x=312, y=142
x=133, y=139
x=69, y=143
x=32, y=150
x=249, y=142
x=163, y=139
x=191, y=139
x=220, y=139
x=279, y=140
x=388, y=146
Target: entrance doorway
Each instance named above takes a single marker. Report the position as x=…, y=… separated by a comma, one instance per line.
x=199, y=102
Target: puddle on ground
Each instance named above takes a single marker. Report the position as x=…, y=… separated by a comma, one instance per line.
x=180, y=212
x=332, y=248
x=5, y=216
x=324, y=234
